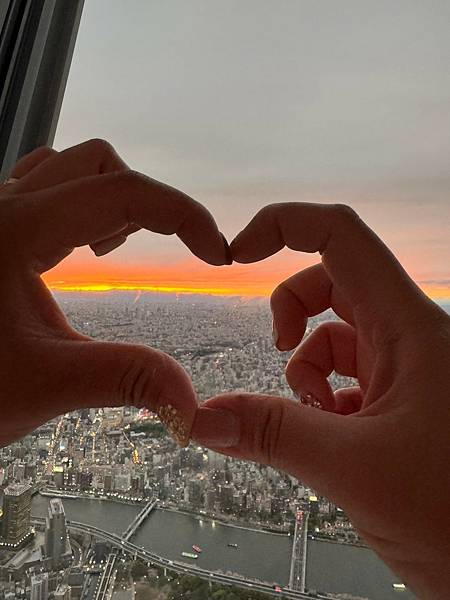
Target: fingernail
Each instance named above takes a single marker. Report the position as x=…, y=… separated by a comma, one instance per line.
x=174, y=423
x=310, y=400
x=228, y=255
x=106, y=246
x=216, y=427
x=275, y=333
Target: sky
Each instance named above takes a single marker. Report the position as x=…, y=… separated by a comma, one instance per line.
x=249, y=102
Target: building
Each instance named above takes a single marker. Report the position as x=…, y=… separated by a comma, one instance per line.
x=314, y=505
x=57, y=544
x=122, y=482
x=108, y=482
x=226, y=497
x=85, y=480
x=194, y=492
x=39, y=587
x=58, y=476
x=210, y=499
x=16, y=514
x=63, y=592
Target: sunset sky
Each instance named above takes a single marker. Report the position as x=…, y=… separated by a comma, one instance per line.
x=248, y=102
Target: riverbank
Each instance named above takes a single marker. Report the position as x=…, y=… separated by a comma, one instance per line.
x=330, y=567
x=324, y=538
x=78, y=495
x=222, y=521
x=199, y=517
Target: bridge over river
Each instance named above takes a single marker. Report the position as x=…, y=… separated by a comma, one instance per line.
x=260, y=556
x=127, y=547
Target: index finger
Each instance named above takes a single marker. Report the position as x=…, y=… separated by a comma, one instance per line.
x=25, y=165
x=54, y=221
x=358, y=263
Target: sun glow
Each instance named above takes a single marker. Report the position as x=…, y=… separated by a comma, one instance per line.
x=176, y=289
x=441, y=293
x=83, y=273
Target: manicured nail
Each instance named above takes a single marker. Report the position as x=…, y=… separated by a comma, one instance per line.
x=106, y=246
x=309, y=400
x=228, y=255
x=216, y=428
x=174, y=423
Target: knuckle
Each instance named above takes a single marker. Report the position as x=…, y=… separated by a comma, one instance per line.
x=274, y=297
x=269, y=210
x=280, y=289
x=146, y=375
x=322, y=330
x=269, y=440
x=344, y=211
x=138, y=384
x=292, y=367
x=16, y=224
x=100, y=146
x=279, y=297
x=129, y=177
x=43, y=151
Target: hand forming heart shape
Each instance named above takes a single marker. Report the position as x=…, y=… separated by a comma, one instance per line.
x=54, y=203
x=362, y=450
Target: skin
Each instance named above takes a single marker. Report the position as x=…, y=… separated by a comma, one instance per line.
x=380, y=450
x=83, y=195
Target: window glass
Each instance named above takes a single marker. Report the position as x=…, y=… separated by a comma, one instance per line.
x=239, y=104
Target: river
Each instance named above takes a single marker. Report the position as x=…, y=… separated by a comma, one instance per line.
x=265, y=556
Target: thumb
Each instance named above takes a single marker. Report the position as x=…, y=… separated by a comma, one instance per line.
x=100, y=374
x=312, y=445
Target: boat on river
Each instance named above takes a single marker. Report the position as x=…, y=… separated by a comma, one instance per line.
x=189, y=555
x=197, y=549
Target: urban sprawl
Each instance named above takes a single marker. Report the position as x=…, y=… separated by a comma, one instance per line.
x=124, y=455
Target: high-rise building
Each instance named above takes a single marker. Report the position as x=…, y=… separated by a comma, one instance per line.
x=85, y=480
x=195, y=492
x=16, y=514
x=39, y=587
x=108, y=482
x=57, y=544
x=226, y=497
x=314, y=505
x=210, y=499
x=63, y=592
x=58, y=476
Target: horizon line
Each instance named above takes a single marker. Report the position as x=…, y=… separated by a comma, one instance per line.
x=205, y=291
x=186, y=290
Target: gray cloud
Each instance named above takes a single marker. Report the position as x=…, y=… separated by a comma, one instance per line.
x=247, y=102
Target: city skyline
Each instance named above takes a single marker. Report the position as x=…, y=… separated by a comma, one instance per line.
x=98, y=493
x=242, y=105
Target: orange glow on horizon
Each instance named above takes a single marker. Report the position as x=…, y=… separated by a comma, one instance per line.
x=189, y=276
x=441, y=293
x=145, y=287
x=435, y=293
x=84, y=273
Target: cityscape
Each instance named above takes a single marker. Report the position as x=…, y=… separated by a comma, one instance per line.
x=56, y=543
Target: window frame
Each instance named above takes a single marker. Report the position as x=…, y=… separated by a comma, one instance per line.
x=37, y=40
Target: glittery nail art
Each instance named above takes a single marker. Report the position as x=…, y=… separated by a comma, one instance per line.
x=310, y=400
x=174, y=423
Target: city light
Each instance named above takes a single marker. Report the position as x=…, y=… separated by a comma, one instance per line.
x=122, y=457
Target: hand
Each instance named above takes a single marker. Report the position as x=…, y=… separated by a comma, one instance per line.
x=381, y=450
x=84, y=195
